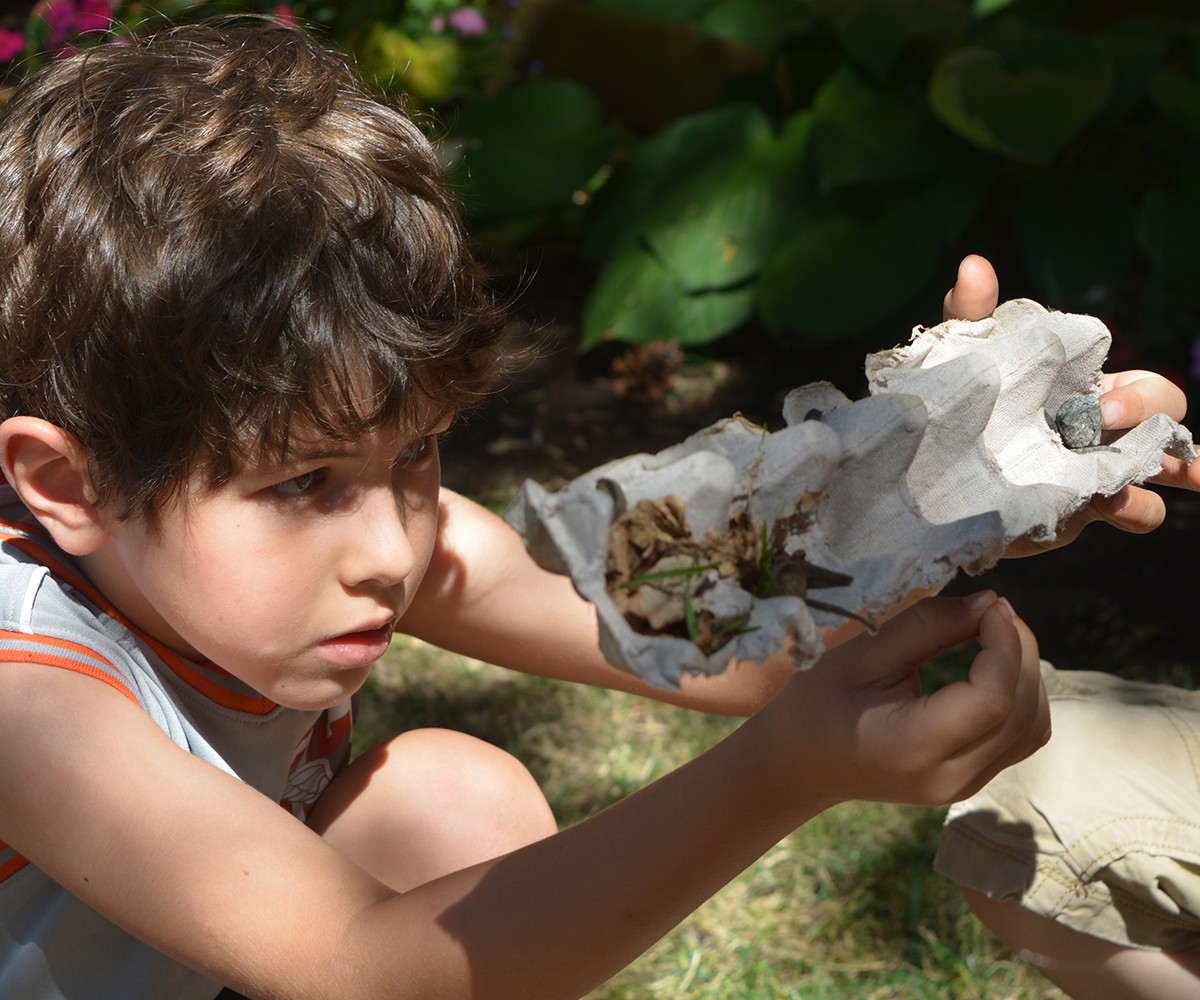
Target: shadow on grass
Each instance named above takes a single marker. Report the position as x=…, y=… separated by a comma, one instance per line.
x=586, y=748
x=889, y=888
x=499, y=713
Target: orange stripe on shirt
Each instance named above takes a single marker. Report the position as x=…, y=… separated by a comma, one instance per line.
x=67, y=663
x=12, y=865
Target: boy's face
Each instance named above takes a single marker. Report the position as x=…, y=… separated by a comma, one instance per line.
x=290, y=577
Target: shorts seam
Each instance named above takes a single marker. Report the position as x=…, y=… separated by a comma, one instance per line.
x=1187, y=736
x=1155, y=848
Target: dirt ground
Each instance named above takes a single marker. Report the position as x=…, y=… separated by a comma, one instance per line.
x=1110, y=601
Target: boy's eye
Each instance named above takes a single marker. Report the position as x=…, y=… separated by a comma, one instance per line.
x=301, y=484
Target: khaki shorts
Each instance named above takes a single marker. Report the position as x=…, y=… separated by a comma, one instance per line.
x=1100, y=829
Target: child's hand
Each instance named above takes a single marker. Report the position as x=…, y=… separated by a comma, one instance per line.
x=1128, y=398
x=860, y=710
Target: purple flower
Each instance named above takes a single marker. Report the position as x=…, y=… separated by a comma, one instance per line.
x=12, y=44
x=468, y=21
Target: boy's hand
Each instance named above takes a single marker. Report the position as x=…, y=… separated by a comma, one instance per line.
x=877, y=737
x=1128, y=398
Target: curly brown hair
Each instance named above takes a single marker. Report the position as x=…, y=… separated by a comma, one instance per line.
x=215, y=237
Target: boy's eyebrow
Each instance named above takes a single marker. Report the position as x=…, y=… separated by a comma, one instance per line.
x=302, y=452
x=317, y=451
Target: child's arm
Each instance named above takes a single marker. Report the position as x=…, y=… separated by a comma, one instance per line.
x=206, y=869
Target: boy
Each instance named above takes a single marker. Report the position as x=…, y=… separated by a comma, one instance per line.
x=236, y=312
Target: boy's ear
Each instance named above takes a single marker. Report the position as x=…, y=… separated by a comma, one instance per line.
x=48, y=468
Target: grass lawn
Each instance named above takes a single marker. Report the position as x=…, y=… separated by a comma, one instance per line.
x=847, y=906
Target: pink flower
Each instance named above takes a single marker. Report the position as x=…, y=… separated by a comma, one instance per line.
x=67, y=18
x=93, y=15
x=12, y=44
x=284, y=14
x=59, y=16
x=468, y=21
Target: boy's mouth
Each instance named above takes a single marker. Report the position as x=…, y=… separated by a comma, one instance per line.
x=358, y=649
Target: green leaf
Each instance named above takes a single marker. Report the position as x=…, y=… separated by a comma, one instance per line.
x=708, y=197
x=690, y=147
x=874, y=33
x=766, y=25
x=717, y=228
x=841, y=276
x=529, y=149
x=862, y=133
x=428, y=67
x=1076, y=237
x=636, y=300
x=721, y=236
x=1027, y=101
x=985, y=8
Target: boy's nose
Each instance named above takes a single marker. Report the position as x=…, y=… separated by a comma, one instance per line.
x=380, y=551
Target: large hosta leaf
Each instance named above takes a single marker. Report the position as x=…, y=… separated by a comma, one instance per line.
x=529, y=149
x=1028, y=97
x=683, y=156
x=840, y=276
x=876, y=32
x=708, y=196
x=637, y=300
x=762, y=24
x=716, y=230
x=862, y=132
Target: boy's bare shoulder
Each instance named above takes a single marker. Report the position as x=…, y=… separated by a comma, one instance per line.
x=98, y=798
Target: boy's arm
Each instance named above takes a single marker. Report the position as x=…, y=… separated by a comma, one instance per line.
x=209, y=871
x=485, y=597
x=1128, y=398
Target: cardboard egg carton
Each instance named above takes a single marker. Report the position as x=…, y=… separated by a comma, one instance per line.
x=740, y=543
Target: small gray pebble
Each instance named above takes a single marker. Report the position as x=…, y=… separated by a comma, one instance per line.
x=1078, y=423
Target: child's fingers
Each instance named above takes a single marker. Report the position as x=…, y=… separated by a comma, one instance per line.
x=1027, y=727
x=1131, y=509
x=976, y=290
x=997, y=715
x=903, y=643
x=1133, y=396
x=1178, y=473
